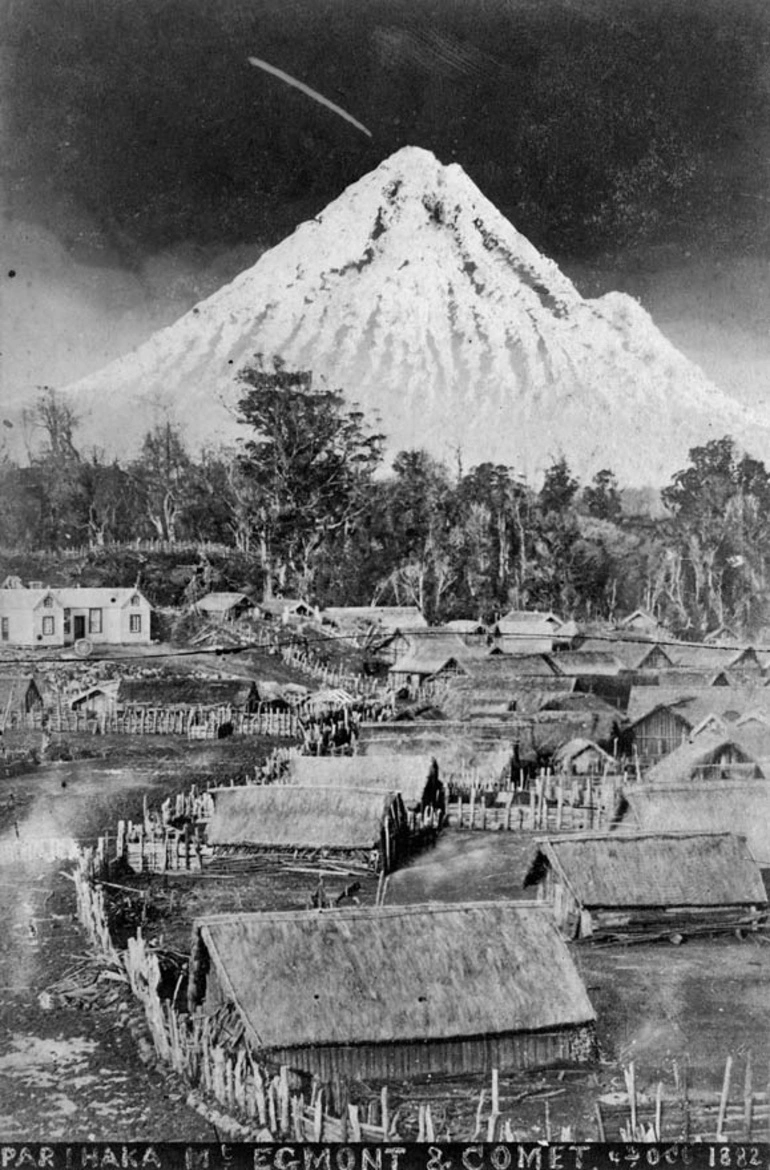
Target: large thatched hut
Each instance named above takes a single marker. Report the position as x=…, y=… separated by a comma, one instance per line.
x=185, y=691
x=739, y=805
x=397, y=992
x=415, y=778
x=365, y=828
x=602, y=884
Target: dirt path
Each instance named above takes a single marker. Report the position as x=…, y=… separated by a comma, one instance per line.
x=70, y=1073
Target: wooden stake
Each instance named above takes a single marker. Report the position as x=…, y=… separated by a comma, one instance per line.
x=600, y=1122
x=748, y=1097
x=723, y=1099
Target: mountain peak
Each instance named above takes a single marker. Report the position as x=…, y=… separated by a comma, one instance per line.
x=412, y=294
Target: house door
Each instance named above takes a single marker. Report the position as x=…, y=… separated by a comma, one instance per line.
x=79, y=626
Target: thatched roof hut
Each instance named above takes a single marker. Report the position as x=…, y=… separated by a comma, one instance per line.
x=188, y=691
x=484, y=752
x=430, y=657
x=586, y=662
x=367, y=825
x=635, y=653
x=415, y=778
x=580, y=756
x=386, y=617
x=224, y=606
x=705, y=757
x=738, y=805
x=19, y=694
x=374, y=994
x=661, y=882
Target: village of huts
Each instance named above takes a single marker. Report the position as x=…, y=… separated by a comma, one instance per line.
x=428, y=857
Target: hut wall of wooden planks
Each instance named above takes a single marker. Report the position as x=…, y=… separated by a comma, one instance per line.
x=403, y=1060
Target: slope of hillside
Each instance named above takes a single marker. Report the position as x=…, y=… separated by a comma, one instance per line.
x=413, y=295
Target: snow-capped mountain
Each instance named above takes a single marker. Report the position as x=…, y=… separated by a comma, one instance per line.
x=418, y=299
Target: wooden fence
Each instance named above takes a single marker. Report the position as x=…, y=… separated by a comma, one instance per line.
x=357, y=684
x=193, y=722
x=265, y=1099
x=554, y=803
x=269, y=1105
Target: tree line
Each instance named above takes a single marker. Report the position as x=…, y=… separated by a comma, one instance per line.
x=305, y=500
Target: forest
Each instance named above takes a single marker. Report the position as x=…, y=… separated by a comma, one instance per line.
x=305, y=504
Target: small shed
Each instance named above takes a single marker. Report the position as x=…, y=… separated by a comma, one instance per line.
x=581, y=757
x=661, y=883
x=100, y=699
x=224, y=607
x=365, y=994
x=415, y=778
x=19, y=695
x=366, y=828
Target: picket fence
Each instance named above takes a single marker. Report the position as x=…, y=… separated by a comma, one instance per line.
x=265, y=1101
x=195, y=723
x=357, y=684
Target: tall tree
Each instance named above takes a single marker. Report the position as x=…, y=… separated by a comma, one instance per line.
x=163, y=476
x=307, y=462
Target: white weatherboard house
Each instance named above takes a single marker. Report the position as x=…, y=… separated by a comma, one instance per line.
x=60, y=617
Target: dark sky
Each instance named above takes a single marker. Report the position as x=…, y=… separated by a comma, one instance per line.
x=145, y=162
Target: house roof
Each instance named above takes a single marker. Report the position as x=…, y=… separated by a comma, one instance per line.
x=278, y=605
x=694, y=704
x=404, y=617
x=388, y=975
x=221, y=602
x=299, y=817
x=573, y=748
x=506, y=669
x=97, y=597
x=25, y=600
x=186, y=692
x=682, y=763
x=574, y=662
x=740, y=805
x=714, y=658
x=532, y=617
x=632, y=652
x=408, y=775
x=656, y=869
x=466, y=626
x=428, y=655
x=577, y=701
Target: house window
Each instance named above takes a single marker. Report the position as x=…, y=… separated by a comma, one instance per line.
x=67, y=622
x=135, y=599
x=4, y=635
x=94, y=621
x=135, y=623
x=48, y=627
x=48, y=602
